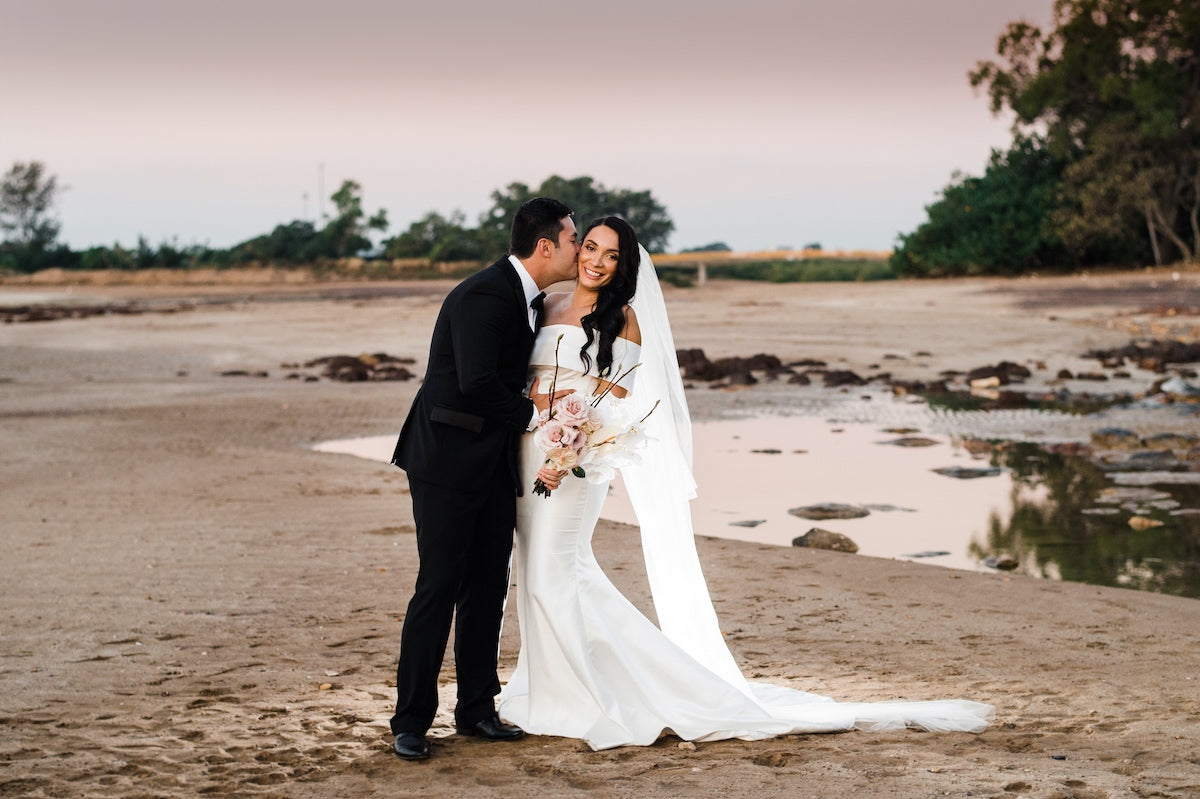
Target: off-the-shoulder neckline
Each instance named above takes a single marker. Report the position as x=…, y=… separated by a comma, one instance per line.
x=580, y=329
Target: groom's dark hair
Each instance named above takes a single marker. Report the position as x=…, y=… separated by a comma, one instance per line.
x=539, y=218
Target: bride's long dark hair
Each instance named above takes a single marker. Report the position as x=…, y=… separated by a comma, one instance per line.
x=607, y=318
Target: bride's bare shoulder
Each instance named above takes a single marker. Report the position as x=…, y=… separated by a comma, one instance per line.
x=557, y=300
x=631, y=331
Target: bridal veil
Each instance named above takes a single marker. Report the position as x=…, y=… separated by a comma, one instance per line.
x=660, y=488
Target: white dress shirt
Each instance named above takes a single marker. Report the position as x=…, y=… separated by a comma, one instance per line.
x=531, y=291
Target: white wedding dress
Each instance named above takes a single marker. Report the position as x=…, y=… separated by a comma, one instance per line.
x=591, y=666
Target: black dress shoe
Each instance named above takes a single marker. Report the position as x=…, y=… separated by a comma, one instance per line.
x=493, y=729
x=410, y=746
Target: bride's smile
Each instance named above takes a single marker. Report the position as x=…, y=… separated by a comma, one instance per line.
x=598, y=257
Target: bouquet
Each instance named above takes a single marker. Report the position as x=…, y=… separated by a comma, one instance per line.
x=579, y=435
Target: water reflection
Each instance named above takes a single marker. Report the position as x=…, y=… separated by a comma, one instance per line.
x=1058, y=515
x=755, y=470
x=1077, y=526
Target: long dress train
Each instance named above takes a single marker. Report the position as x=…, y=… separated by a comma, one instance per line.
x=591, y=666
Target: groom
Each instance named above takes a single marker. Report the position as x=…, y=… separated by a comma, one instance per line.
x=459, y=447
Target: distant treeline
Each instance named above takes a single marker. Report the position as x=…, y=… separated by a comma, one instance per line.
x=804, y=270
x=27, y=195
x=1105, y=163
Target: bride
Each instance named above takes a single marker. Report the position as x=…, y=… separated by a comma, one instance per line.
x=591, y=666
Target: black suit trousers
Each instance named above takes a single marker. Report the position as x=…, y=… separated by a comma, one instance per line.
x=464, y=539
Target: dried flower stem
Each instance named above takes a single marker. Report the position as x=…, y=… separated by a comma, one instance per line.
x=554, y=377
x=614, y=384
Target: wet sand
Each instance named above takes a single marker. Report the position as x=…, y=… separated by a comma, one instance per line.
x=196, y=603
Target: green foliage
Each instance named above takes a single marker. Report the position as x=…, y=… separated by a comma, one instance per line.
x=300, y=242
x=15, y=258
x=682, y=278
x=447, y=239
x=995, y=224
x=27, y=195
x=588, y=200
x=144, y=256
x=1116, y=88
x=1050, y=533
x=297, y=242
x=346, y=234
x=168, y=256
x=440, y=239
x=716, y=246
x=807, y=270
x=115, y=257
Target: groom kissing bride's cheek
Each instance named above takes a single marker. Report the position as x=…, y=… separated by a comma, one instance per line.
x=512, y=373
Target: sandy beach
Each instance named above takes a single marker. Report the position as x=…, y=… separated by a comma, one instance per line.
x=196, y=603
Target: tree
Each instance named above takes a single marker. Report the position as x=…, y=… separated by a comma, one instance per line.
x=296, y=242
x=997, y=223
x=346, y=233
x=27, y=195
x=114, y=257
x=438, y=238
x=1116, y=88
x=299, y=242
x=588, y=200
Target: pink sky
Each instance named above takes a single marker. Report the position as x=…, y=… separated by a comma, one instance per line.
x=760, y=123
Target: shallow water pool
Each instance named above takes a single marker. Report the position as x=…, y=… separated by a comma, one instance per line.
x=1050, y=515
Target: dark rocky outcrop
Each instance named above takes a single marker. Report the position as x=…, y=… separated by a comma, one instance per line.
x=836, y=378
x=830, y=510
x=736, y=371
x=1001, y=374
x=1151, y=355
x=53, y=313
x=1116, y=438
x=911, y=441
x=969, y=472
x=817, y=538
x=1173, y=441
x=359, y=368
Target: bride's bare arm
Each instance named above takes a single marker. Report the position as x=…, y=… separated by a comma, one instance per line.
x=631, y=330
x=633, y=333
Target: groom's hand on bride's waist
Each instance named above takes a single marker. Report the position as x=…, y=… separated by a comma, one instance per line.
x=543, y=401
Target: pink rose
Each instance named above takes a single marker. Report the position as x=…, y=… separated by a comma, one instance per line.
x=572, y=410
x=555, y=435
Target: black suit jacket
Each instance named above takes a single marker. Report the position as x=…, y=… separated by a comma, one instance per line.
x=468, y=416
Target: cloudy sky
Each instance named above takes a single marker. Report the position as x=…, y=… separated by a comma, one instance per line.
x=759, y=122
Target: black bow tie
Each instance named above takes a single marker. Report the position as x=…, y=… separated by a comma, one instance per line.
x=538, y=304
